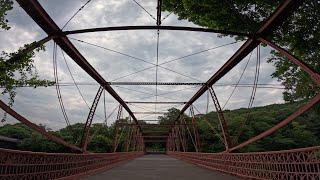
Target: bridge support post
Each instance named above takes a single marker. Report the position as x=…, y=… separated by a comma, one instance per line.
x=213, y=129
x=179, y=129
x=170, y=143
x=133, y=137
x=140, y=142
x=183, y=135
x=128, y=139
x=116, y=137
x=195, y=130
x=222, y=121
x=84, y=140
x=177, y=139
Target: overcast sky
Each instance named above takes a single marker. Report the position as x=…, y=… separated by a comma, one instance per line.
x=41, y=105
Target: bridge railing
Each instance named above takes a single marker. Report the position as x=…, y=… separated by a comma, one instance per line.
x=301, y=163
x=32, y=165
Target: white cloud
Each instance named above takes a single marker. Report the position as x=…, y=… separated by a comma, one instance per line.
x=41, y=104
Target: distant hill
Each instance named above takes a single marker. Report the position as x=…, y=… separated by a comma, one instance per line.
x=243, y=124
x=302, y=132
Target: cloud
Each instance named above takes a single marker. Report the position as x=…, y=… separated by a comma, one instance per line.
x=41, y=105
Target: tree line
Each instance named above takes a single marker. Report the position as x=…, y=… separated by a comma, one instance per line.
x=242, y=124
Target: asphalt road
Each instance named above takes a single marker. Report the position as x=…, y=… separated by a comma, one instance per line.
x=159, y=167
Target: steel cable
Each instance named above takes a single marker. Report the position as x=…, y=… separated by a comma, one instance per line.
x=75, y=14
x=56, y=78
x=253, y=93
x=75, y=83
x=145, y=10
x=236, y=85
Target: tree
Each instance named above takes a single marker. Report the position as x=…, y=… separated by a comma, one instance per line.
x=17, y=68
x=5, y=6
x=303, y=132
x=246, y=16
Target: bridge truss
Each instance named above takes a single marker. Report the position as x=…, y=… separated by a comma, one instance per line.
x=291, y=164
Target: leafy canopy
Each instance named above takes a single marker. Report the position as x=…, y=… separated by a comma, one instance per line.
x=17, y=68
x=300, y=34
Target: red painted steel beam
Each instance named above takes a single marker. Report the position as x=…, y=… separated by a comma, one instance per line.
x=154, y=102
x=159, y=4
x=313, y=74
x=221, y=118
x=155, y=137
x=157, y=83
x=151, y=120
x=41, y=17
x=286, y=121
x=149, y=112
x=38, y=165
x=154, y=125
x=164, y=133
x=280, y=14
x=155, y=141
x=35, y=127
x=85, y=134
x=170, y=28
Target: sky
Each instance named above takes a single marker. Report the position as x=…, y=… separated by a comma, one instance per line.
x=40, y=105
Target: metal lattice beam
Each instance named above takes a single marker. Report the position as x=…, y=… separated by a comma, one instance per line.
x=35, y=127
x=84, y=140
x=159, y=4
x=221, y=118
x=281, y=13
x=151, y=102
x=149, y=112
x=173, y=28
x=158, y=83
x=41, y=17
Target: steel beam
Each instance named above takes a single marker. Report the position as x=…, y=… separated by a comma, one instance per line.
x=84, y=140
x=116, y=139
x=155, y=102
x=281, y=13
x=35, y=127
x=164, y=133
x=221, y=118
x=155, y=137
x=155, y=141
x=151, y=120
x=149, y=112
x=153, y=125
x=305, y=67
x=157, y=83
x=41, y=17
x=159, y=4
x=172, y=28
x=315, y=100
x=195, y=131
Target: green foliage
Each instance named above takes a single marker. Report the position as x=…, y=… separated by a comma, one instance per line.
x=5, y=6
x=302, y=132
x=18, y=131
x=17, y=68
x=101, y=138
x=36, y=142
x=300, y=34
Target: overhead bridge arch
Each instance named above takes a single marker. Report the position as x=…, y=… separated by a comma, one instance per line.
x=169, y=28
x=288, y=164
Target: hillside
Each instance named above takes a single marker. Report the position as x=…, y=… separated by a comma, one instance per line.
x=302, y=132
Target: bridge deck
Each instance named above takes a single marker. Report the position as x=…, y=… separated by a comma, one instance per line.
x=159, y=167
